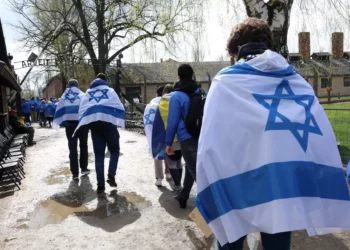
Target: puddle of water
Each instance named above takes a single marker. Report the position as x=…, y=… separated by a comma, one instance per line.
x=23, y=226
x=57, y=209
x=52, y=180
x=61, y=171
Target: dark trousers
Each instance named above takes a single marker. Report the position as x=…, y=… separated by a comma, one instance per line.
x=108, y=136
x=24, y=130
x=42, y=119
x=27, y=117
x=49, y=119
x=82, y=134
x=280, y=241
x=189, y=152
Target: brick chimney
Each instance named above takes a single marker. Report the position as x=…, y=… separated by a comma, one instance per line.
x=337, y=44
x=304, y=45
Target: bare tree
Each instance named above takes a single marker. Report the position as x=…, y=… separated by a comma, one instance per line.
x=278, y=14
x=105, y=28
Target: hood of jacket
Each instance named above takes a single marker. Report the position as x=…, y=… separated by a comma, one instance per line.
x=188, y=86
x=98, y=82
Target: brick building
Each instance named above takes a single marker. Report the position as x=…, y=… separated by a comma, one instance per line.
x=55, y=87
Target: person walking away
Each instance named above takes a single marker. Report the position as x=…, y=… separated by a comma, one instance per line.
x=20, y=128
x=159, y=158
x=49, y=112
x=25, y=108
x=67, y=116
x=262, y=164
x=38, y=102
x=186, y=98
x=101, y=110
x=41, y=111
x=174, y=160
x=33, y=109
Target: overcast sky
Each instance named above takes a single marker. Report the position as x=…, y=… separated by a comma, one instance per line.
x=219, y=20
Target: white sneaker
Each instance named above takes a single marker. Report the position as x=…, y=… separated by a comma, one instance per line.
x=168, y=176
x=159, y=182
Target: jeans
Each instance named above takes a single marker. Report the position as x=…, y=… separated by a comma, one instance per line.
x=280, y=241
x=27, y=118
x=82, y=134
x=109, y=136
x=49, y=119
x=189, y=152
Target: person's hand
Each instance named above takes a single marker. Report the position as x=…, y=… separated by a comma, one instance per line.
x=169, y=150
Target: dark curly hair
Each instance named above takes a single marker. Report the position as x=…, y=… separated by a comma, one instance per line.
x=251, y=30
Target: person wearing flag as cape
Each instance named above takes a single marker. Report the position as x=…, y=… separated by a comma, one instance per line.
x=267, y=156
x=155, y=121
x=67, y=116
x=159, y=157
x=101, y=110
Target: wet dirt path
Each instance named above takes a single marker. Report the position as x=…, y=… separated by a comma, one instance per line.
x=54, y=212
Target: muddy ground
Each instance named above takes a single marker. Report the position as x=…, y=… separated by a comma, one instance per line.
x=54, y=212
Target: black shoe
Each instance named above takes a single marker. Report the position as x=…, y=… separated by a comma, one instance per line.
x=111, y=181
x=182, y=202
x=31, y=143
x=100, y=189
x=85, y=171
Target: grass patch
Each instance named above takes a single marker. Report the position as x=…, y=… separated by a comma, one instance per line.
x=340, y=120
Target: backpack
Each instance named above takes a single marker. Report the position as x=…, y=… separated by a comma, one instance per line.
x=193, y=120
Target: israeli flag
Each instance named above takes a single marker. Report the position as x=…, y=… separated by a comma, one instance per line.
x=267, y=157
x=155, y=120
x=68, y=107
x=101, y=104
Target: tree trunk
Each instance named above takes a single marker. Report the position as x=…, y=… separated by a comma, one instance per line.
x=100, y=21
x=277, y=14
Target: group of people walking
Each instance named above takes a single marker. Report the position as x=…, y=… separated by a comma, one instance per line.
x=259, y=146
x=255, y=144
x=41, y=111
x=100, y=111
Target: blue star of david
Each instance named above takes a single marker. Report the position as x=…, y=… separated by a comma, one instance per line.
x=310, y=125
x=147, y=117
x=100, y=97
x=71, y=96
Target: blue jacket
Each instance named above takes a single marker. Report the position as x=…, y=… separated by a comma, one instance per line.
x=50, y=110
x=178, y=110
x=41, y=107
x=33, y=104
x=25, y=107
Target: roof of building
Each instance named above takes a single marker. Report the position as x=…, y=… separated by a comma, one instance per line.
x=56, y=77
x=166, y=72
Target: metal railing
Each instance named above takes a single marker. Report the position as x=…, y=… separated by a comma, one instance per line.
x=134, y=118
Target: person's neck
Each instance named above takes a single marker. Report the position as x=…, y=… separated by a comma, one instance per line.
x=251, y=50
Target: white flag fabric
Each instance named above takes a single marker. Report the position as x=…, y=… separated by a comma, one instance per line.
x=68, y=107
x=267, y=157
x=148, y=121
x=155, y=122
x=101, y=103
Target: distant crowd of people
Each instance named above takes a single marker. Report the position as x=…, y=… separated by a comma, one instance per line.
x=39, y=110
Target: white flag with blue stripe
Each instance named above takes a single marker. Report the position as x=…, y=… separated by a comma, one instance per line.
x=101, y=103
x=68, y=107
x=267, y=157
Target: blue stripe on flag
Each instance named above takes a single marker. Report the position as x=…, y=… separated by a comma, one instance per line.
x=274, y=181
x=67, y=110
x=158, y=134
x=118, y=113
x=245, y=68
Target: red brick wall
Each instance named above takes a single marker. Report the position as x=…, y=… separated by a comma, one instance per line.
x=54, y=89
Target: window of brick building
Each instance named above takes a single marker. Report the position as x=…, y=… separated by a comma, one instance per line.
x=325, y=82
x=346, y=81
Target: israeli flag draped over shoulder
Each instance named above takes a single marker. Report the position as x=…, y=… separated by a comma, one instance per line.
x=101, y=103
x=155, y=120
x=267, y=157
x=68, y=107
